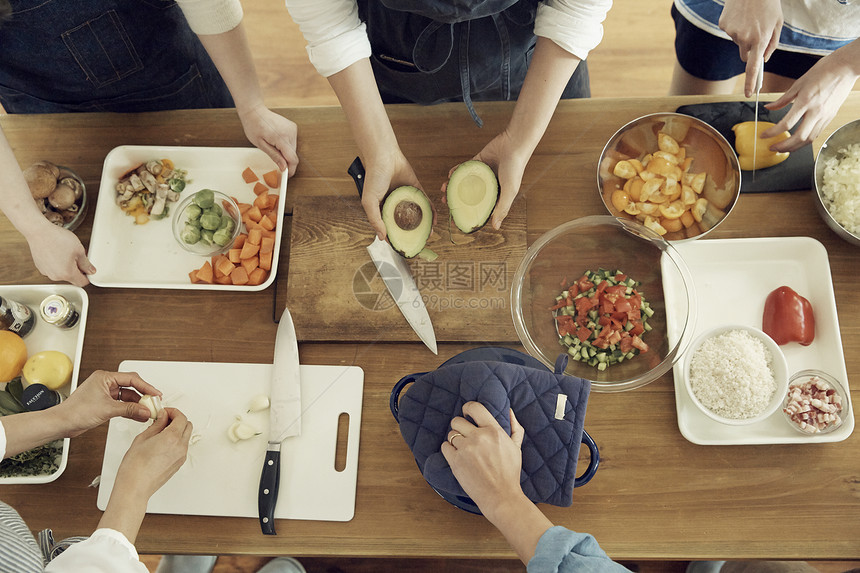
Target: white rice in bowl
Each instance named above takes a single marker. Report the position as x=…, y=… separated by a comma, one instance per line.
x=840, y=187
x=731, y=374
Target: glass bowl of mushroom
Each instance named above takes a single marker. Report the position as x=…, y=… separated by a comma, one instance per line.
x=58, y=192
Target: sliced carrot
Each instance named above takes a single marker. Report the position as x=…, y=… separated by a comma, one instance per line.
x=270, y=234
x=249, y=176
x=266, y=260
x=224, y=280
x=233, y=255
x=254, y=214
x=250, y=264
x=272, y=202
x=240, y=240
x=254, y=237
x=193, y=276
x=244, y=207
x=262, y=201
x=239, y=276
x=259, y=188
x=225, y=266
x=249, y=250
x=267, y=245
x=266, y=223
x=205, y=273
x=257, y=277
x=272, y=178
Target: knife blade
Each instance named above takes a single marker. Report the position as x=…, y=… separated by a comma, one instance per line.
x=759, y=80
x=285, y=417
x=397, y=276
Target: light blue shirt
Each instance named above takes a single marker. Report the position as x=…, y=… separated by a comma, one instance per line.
x=560, y=550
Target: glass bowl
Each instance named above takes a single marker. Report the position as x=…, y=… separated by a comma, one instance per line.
x=181, y=215
x=711, y=154
x=611, y=243
x=809, y=375
x=779, y=367
x=831, y=150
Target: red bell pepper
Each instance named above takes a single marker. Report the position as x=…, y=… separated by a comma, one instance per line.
x=788, y=317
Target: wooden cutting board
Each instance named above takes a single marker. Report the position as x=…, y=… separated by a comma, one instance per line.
x=338, y=294
x=222, y=478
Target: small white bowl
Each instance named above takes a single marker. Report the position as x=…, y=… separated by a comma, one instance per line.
x=779, y=368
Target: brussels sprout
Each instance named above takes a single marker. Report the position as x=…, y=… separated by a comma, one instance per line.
x=228, y=223
x=176, y=185
x=215, y=210
x=205, y=198
x=221, y=237
x=192, y=212
x=210, y=221
x=190, y=234
x=206, y=236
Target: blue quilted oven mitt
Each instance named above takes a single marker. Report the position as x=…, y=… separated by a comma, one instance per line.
x=550, y=407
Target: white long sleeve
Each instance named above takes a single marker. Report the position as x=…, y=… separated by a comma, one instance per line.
x=105, y=551
x=211, y=16
x=336, y=38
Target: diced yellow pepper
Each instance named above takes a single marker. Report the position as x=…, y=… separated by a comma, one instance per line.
x=745, y=145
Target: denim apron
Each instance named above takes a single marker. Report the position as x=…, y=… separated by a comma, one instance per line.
x=433, y=51
x=104, y=55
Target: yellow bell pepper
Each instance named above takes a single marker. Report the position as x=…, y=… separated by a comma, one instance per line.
x=745, y=135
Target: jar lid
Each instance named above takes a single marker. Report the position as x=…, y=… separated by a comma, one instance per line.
x=55, y=309
x=39, y=397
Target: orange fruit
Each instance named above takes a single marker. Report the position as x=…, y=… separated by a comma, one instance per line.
x=13, y=355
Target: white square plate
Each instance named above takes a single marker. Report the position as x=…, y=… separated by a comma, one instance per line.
x=732, y=278
x=44, y=336
x=127, y=255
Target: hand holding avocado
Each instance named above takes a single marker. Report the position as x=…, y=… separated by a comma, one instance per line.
x=383, y=173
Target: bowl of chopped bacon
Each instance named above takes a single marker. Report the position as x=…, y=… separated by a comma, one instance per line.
x=593, y=288
x=815, y=402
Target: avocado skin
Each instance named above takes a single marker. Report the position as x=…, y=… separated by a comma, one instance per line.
x=485, y=172
x=407, y=243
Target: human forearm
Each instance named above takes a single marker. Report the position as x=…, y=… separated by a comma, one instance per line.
x=29, y=430
x=232, y=56
x=125, y=512
x=15, y=198
x=520, y=522
x=549, y=72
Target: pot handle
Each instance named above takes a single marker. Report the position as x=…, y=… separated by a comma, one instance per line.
x=592, y=463
x=394, y=399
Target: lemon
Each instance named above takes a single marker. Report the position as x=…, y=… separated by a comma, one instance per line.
x=49, y=367
x=13, y=355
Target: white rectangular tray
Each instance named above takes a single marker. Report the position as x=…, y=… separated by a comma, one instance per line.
x=127, y=255
x=732, y=278
x=46, y=336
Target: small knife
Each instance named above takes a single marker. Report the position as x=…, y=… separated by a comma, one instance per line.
x=397, y=276
x=285, y=417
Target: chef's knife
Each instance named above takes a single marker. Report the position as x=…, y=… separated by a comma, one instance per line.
x=759, y=80
x=285, y=417
x=397, y=277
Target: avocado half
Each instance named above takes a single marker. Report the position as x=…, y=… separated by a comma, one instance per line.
x=472, y=194
x=408, y=219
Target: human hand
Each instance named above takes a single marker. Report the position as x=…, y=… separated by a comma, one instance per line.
x=816, y=96
x=509, y=164
x=97, y=400
x=154, y=456
x=485, y=460
x=383, y=173
x=755, y=28
x=272, y=133
x=59, y=254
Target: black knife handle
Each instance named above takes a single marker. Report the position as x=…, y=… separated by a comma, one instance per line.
x=356, y=170
x=267, y=497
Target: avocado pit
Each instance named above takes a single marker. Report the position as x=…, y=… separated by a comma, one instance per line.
x=407, y=215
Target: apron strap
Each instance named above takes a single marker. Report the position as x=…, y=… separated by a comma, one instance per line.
x=51, y=549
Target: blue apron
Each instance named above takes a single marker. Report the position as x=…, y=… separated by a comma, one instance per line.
x=104, y=55
x=433, y=51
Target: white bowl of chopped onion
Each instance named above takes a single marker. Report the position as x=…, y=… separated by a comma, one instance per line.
x=837, y=186
x=736, y=374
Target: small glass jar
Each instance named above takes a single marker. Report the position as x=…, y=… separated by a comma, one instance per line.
x=16, y=317
x=57, y=310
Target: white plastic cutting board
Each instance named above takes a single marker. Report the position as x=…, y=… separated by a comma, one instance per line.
x=221, y=477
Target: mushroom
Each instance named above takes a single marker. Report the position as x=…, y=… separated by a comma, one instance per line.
x=62, y=197
x=155, y=167
x=40, y=203
x=41, y=180
x=74, y=183
x=68, y=215
x=55, y=171
x=55, y=218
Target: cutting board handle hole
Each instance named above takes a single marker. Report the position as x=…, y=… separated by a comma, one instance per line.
x=342, y=442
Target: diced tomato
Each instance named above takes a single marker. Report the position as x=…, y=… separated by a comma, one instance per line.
x=638, y=343
x=583, y=333
x=623, y=305
x=584, y=284
x=620, y=277
x=637, y=329
x=626, y=344
x=617, y=290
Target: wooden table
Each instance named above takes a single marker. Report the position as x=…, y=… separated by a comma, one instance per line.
x=656, y=495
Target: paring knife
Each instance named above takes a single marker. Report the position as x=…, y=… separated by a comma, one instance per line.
x=285, y=417
x=397, y=276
